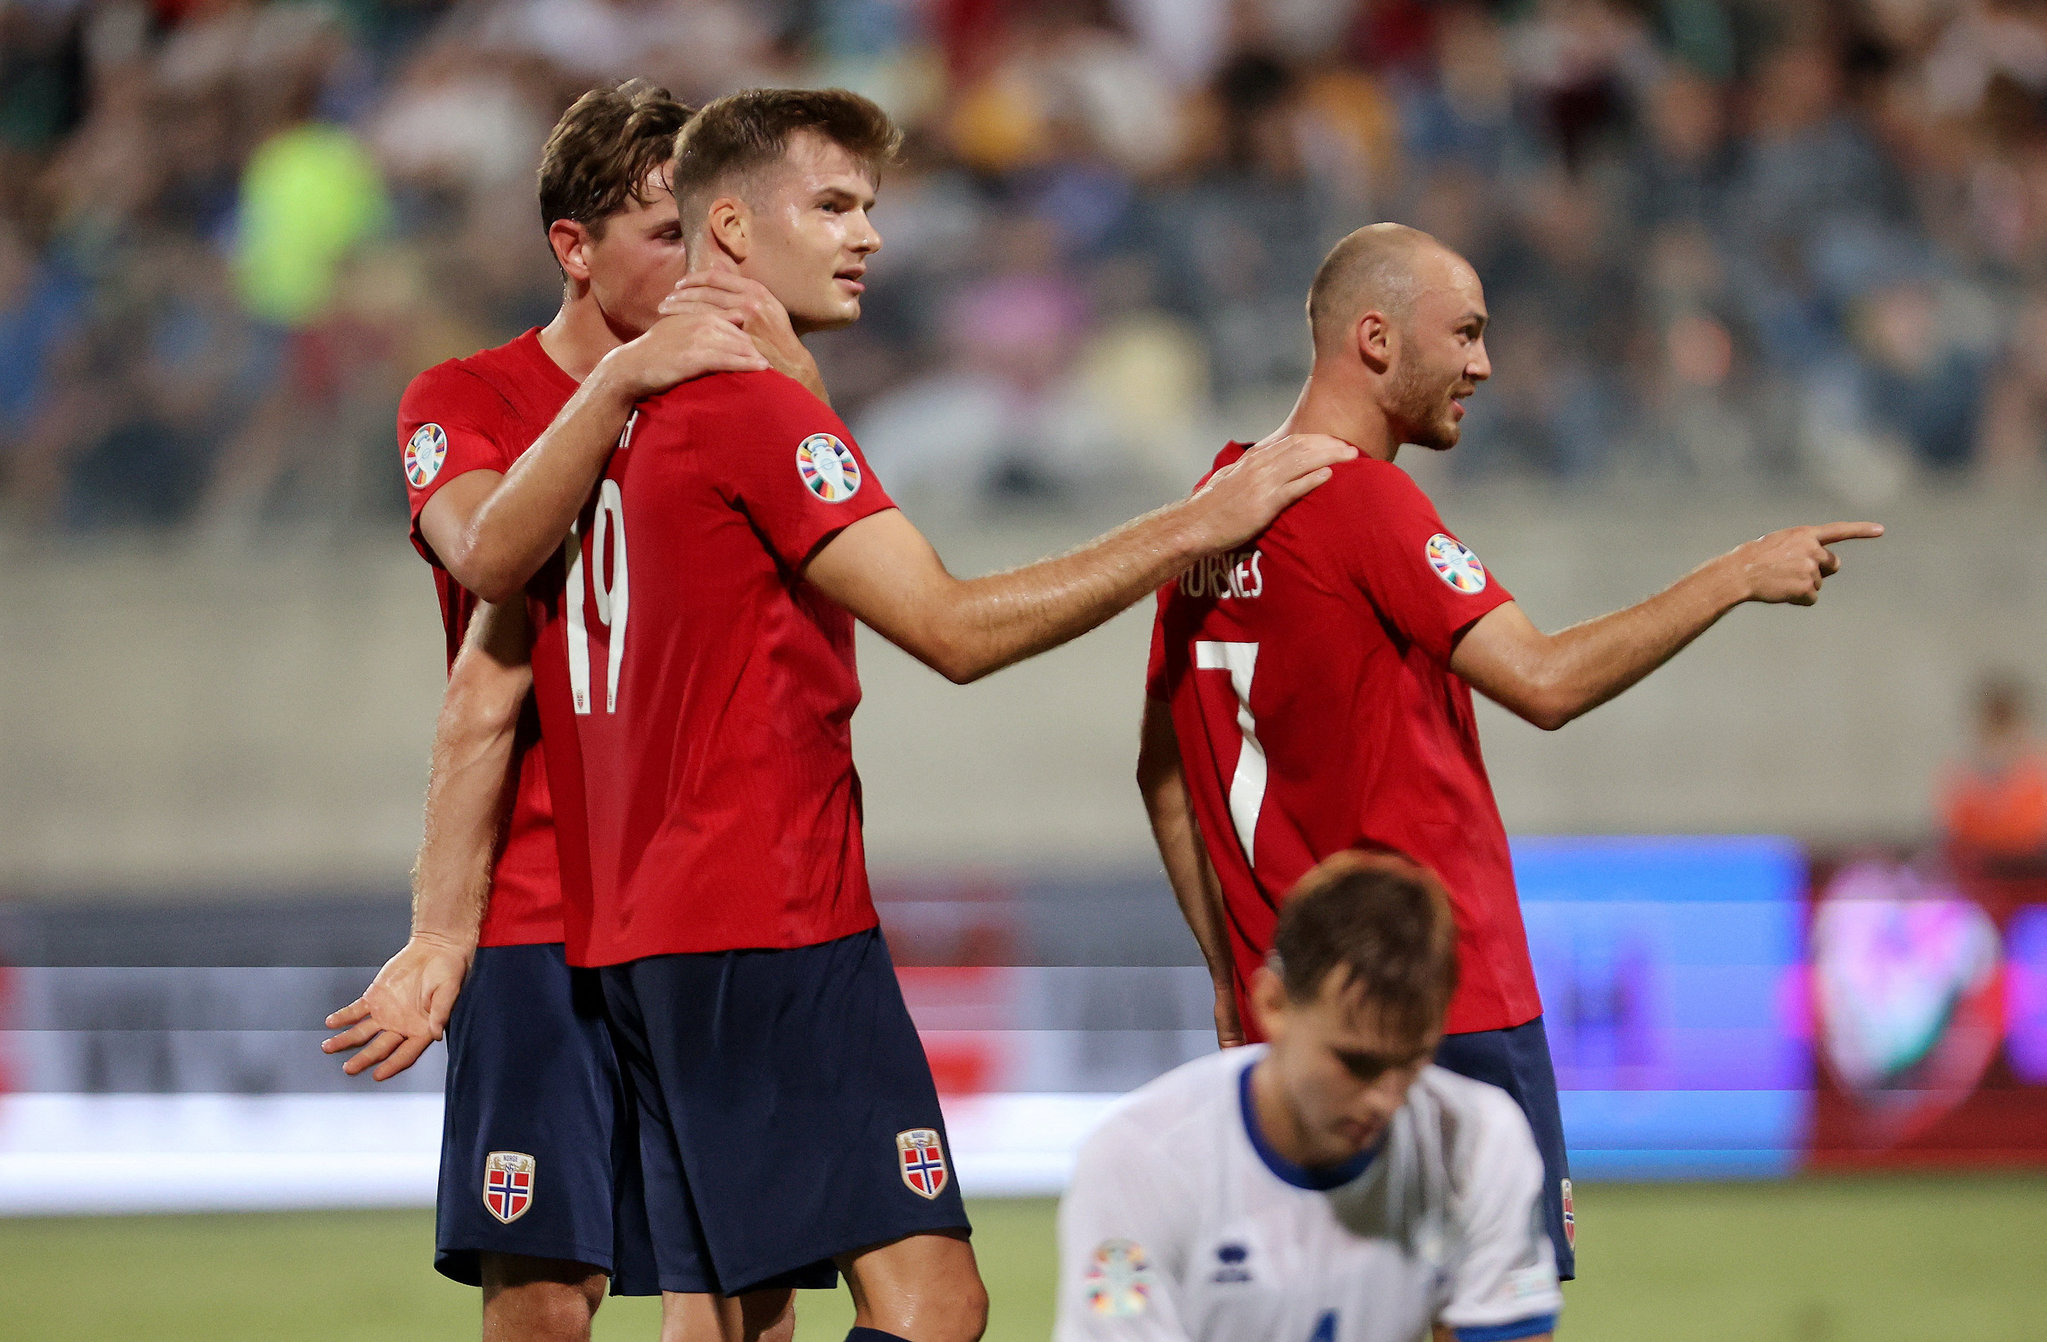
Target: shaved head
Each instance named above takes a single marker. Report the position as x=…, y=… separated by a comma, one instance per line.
x=1381, y=267
x=1399, y=320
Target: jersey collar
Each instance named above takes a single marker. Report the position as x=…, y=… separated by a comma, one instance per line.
x=1314, y=1178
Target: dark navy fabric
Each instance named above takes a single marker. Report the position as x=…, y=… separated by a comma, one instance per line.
x=531, y=1070
x=1517, y=1061
x=771, y=1088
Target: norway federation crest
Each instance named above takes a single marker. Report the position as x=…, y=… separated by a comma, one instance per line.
x=424, y=453
x=923, y=1161
x=828, y=468
x=1570, y=1217
x=508, y=1184
x=1455, y=564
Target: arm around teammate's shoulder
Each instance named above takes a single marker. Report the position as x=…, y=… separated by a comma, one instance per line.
x=492, y=531
x=1550, y=679
x=883, y=570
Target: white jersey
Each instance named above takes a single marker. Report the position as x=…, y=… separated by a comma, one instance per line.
x=1181, y=1225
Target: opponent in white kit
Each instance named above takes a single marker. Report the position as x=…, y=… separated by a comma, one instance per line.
x=1332, y=1185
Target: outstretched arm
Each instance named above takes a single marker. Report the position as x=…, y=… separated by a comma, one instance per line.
x=1163, y=780
x=493, y=531
x=469, y=791
x=1549, y=679
x=883, y=570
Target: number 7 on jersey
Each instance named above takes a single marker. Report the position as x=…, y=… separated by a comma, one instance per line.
x=1247, y=785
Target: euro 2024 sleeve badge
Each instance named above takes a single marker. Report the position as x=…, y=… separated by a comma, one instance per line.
x=424, y=453
x=1119, y=1280
x=922, y=1158
x=508, y=1184
x=828, y=468
x=1455, y=564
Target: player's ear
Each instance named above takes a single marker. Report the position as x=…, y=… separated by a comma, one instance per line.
x=1376, y=340
x=729, y=226
x=571, y=243
x=1269, y=1002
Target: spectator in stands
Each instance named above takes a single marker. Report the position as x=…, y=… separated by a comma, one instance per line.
x=1994, y=801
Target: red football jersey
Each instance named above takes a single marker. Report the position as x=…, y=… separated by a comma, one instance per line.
x=696, y=693
x=1311, y=694
x=480, y=414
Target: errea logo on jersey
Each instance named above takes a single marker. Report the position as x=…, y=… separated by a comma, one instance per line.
x=827, y=468
x=424, y=453
x=1455, y=564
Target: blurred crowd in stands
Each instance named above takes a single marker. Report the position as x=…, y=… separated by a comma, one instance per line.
x=1721, y=239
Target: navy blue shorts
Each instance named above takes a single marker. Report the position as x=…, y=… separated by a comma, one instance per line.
x=1517, y=1061
x=786, y=1112
x=539, y=1154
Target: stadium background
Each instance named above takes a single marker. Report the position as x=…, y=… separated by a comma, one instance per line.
x=1749, y=264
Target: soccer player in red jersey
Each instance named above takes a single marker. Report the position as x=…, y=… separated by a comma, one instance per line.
x=535, y=1101
x=694, y=670
x=1311, y=691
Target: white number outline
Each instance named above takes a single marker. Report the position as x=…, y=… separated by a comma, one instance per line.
x=1247, y=785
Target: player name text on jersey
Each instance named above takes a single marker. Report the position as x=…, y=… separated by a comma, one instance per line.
x=1225, y=576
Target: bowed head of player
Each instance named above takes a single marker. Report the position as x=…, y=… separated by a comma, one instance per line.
x=1352, y=1011
x=1330, y=1185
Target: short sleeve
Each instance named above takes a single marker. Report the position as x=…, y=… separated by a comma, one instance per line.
x=450, y=422
x=793, y=466
x=1118, y=1253
x=1421, y=578
x=1503, y=1284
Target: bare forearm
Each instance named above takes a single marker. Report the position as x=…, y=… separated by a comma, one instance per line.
x=466, y=799
x=984, y=624
x=1162, y=779
x=1178, y=836
x=1577, y=669
x=521, y=523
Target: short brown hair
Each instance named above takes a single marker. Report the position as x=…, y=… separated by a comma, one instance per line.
x=744, y=132
x=603, y=150
x=1383, y=924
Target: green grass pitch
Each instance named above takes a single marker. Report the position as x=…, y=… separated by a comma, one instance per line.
x=1814, y=1260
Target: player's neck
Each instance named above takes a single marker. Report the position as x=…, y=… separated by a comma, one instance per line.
x=578, y=336
x=1341, y=411
x=1277, y=1126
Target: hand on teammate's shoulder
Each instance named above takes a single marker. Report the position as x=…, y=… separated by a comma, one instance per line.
x=1242, y=498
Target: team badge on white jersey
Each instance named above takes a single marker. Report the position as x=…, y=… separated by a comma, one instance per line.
x=1119, y=1280
x=1455, y=564
x=828, y=468
x=424, y=453
x=922, y=1157
x=508, y=1184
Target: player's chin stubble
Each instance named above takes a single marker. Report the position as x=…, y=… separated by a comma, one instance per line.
x=1424, y=410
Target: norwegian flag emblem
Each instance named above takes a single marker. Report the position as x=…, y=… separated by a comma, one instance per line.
x=923, y=1161
x=1570, y=1217
x=508, y=1185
